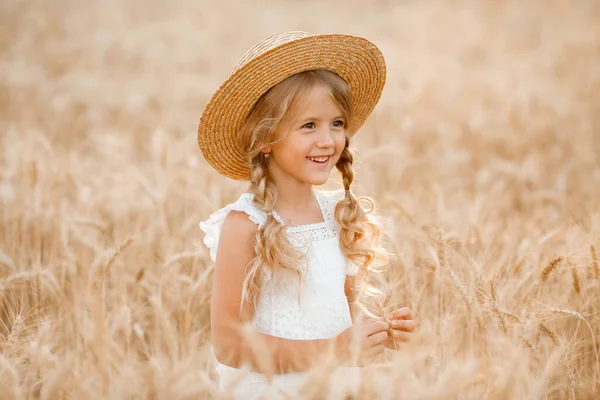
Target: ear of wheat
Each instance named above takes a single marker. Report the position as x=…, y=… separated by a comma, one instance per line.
x=576, y=284
x=549, y=332
x=595, y=266
x=552, y=265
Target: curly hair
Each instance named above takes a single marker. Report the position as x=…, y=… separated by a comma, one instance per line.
x=359, y=232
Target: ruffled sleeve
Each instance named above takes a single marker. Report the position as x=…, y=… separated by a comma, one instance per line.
x=212, y=226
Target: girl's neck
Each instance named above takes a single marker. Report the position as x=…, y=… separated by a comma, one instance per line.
x=294, y=197
x=292, y=194
x=297, y=206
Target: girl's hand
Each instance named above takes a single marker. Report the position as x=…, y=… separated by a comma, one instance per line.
x=402, y=325
x=361, y=344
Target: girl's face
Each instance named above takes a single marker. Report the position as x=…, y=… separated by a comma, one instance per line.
x=311, y=140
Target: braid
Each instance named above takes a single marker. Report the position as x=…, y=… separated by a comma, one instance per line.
x=261, y=184
x=344, y=165
x=358, y=231
x=272, y=248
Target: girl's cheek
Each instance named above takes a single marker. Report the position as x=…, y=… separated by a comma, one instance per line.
x=340, y=143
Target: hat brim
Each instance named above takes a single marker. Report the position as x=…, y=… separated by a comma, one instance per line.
x=356, y=60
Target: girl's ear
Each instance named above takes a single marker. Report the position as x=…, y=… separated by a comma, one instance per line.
x=266, y=149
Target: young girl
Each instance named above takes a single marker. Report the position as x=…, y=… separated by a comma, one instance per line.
x=287, y=257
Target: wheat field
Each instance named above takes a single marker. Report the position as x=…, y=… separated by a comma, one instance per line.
x=483, y=156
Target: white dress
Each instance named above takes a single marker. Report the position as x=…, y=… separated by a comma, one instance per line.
x=323, y=310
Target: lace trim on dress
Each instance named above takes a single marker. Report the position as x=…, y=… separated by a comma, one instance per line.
x=300, y=235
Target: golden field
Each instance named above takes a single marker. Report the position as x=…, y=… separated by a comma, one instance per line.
x=483, y=156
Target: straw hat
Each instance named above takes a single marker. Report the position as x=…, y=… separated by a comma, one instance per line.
x=356, y=60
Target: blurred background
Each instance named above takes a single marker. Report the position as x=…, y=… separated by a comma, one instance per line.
x=487, y=134
x=479, y=83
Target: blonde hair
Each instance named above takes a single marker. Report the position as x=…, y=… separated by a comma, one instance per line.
x=359, y=232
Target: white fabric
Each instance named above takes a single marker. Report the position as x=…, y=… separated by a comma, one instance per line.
x=322, y=311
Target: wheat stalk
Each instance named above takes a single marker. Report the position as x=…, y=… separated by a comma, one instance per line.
x=569, y=313
x=576, y=284
x=526, y=341
x=116, y=253
x=595, y=266
x=106, y=269
x=26, y=276
x=499, y=316
x=441, y=252
x=461, y=289
x=496, y=309
x=572, y=384
x=579, y=316
x=552, y=265
x=493, y=292
x=510, y=315
x=13, y=337
x=480, y=291
x=544, y=328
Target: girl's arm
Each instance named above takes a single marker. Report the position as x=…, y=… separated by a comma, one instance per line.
x=356, y=308
x=267, y=354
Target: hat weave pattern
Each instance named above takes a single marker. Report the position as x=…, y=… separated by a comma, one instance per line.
x=356, y=60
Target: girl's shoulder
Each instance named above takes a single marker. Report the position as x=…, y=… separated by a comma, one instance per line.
x=214, y=224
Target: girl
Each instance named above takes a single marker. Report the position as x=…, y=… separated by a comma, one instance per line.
x=287, y=257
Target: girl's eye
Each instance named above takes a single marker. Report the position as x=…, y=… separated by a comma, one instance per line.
x=339, y=123
x=310, y=125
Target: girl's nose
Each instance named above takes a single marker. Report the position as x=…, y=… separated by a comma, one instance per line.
x=326, y=138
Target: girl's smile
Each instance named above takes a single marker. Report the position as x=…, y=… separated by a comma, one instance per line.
x=320, y=161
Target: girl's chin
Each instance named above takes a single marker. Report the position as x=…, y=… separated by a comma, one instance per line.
x=318, y=179
x=310, y=176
